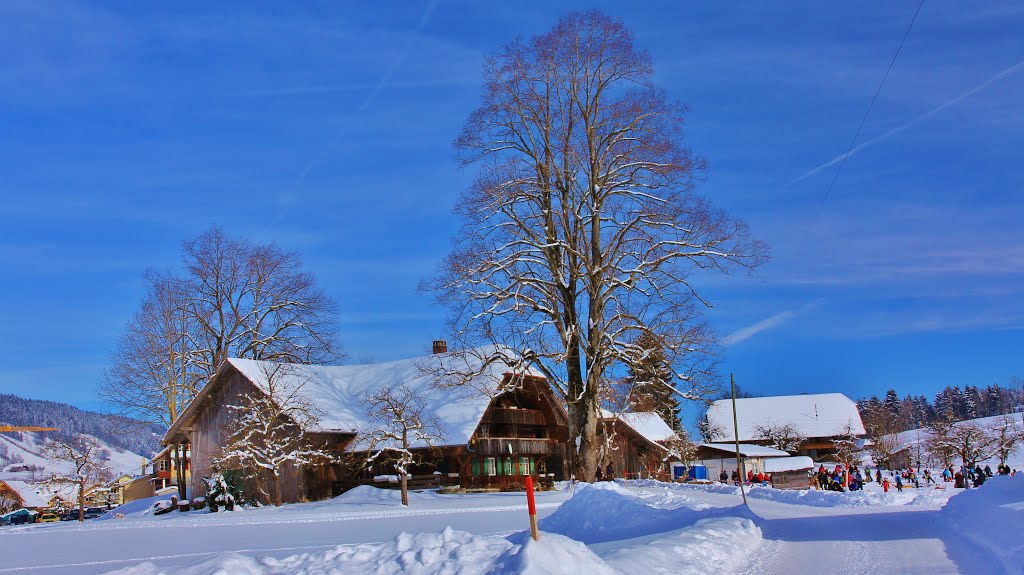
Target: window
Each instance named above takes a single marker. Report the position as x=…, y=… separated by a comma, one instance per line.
x=485, y=430
x=489, y=467
x=508, y=465
x=524, y=466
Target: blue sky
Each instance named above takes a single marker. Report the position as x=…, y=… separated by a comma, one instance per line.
x=326, y=127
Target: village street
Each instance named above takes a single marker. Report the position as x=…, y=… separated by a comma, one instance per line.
x=864, y=532
x=177, y=540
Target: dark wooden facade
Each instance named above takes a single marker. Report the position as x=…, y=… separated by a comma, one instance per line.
x=204, y=426
x=523, y=431
x=632, y=455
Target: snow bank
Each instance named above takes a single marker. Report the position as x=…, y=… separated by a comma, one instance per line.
x=553, y=554
x=814, y=498
x=725, y=542
x=983, y=526
x=449, y=552
x=608, y=511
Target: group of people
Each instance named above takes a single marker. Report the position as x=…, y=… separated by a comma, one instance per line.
x=752, y=478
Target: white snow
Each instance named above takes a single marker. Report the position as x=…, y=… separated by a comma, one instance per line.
x=814, y=415
x=641, y=527
x=780, y=464
x=647, y=424
x=336, y=391
x=747, y=450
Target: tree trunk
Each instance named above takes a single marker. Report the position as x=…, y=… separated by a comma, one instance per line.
x=405, y=489
x=81, y=501
x=277, y=490
x=179, y=471
x=583, y=425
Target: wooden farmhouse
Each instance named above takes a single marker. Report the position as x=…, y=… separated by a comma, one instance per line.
x=500, y=426
x=819, y=418
x=634, y=443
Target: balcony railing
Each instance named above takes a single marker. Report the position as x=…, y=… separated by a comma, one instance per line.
x=520, y=446
x=504, y=415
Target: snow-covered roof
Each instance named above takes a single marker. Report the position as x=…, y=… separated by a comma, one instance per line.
x=747, y=450
x=813, y=415
x=337, y=391
x=28, y=494
x=795, y=463
x=647, y=424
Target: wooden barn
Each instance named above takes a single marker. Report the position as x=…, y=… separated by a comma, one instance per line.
x=633, y=444
x=790, y=472
x=495, y=430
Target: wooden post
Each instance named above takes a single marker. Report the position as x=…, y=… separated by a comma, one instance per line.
x=532, y=506
x=736, y=436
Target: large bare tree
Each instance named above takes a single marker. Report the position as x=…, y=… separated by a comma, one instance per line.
x=234, y=298
x=582, y=230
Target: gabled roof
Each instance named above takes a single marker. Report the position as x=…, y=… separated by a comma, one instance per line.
x=814, y=415
x=795, y=463
x=647, y=424
x=747, y=450
x=28, y=495
x=337, y=391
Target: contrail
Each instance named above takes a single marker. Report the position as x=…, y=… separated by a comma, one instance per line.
x=367, y=102
x=999, y=76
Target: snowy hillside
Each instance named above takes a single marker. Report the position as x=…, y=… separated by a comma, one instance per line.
x=918, y=437
x=22, y=458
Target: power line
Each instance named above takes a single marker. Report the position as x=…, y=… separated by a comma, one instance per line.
x=863, y=120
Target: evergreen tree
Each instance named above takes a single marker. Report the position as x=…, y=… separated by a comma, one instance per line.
x=892, y=402
x=972, y=403
x=650, y=379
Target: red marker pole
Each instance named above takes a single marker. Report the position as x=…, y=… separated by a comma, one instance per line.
x=532, y=505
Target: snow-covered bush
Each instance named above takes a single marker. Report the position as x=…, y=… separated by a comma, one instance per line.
x=223, y=492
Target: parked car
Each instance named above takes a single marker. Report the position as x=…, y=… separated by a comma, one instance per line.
x=48, y=518
x=94, y=512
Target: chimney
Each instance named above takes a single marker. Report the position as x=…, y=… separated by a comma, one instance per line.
x=440, y=346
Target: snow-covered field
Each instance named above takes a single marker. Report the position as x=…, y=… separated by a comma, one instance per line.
x=645, y=527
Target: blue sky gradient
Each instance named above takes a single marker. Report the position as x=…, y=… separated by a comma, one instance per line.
x=326, y=127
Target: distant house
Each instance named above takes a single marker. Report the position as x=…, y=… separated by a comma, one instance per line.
x=27, y=495
x=820, y=418
x=499, y=428
x=719, y=456
x=634, y=444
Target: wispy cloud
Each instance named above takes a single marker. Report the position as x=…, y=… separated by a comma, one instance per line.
x=886, y=135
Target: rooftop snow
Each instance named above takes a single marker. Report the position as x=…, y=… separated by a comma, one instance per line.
x=647, y=424
x=814, y=415
x=28, y=493
x=337, y=391
x=781, y=464
x=747, y=450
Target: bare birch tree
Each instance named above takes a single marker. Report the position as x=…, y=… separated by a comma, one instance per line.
x=582, y=230
x=87, y=460
x=397, y=425
x=274, y=427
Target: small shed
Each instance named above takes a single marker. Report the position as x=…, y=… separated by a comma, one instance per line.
x=718, y=456
x=790, y=472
